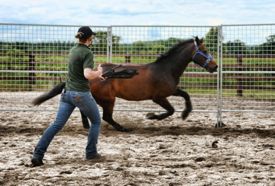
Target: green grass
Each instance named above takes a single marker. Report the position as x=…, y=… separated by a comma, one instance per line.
x=195, y=85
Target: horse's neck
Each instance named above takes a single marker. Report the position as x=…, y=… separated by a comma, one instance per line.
x=179, y=67
x=176, y=64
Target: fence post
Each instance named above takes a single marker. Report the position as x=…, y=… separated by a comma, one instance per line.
x=31, y=68
x=239, y=76
x=109, y=45
x=127, y=58
x=220, y=78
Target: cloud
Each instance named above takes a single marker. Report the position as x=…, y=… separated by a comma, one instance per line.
x=177, y=12
x=141, y=12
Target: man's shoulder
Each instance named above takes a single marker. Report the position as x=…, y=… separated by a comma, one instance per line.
x=84, y=48
x=79, y=50
x=81, y=47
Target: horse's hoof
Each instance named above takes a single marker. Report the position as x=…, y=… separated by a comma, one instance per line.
x=185, y=114
x=122, y=129
x=151, y=116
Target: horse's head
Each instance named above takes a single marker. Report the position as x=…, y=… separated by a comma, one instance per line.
x=202, y=57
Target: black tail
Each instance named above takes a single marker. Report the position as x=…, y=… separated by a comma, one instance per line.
x=54, y=92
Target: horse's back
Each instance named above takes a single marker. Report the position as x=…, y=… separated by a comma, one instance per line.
x=147, y=84
x=108, y=66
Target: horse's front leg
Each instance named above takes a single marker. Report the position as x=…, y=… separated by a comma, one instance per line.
x=164, y=103
x=85, y=121
x=188, y=103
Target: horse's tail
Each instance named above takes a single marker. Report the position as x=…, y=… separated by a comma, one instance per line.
x=48, y=95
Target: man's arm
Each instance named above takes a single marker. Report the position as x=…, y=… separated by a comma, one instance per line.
x=93, y=74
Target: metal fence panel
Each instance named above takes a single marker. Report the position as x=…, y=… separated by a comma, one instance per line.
x=248, y=67
x=33, y=59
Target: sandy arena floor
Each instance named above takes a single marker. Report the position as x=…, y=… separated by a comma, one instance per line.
x=168, y=152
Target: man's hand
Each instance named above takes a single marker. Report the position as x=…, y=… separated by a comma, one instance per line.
x=91, y=74
x=100, y=70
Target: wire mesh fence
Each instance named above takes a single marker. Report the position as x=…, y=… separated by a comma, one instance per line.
x=248, y=67
x=33, y=58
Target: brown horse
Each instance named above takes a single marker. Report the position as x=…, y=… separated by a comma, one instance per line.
x=154, y=81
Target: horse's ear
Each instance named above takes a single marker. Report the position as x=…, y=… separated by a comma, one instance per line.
x=197, y=40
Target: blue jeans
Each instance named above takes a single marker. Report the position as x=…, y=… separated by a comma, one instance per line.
x=69, y=100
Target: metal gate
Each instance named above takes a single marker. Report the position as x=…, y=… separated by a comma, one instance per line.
x=247, y=69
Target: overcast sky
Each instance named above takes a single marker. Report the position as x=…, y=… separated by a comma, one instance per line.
x=139, y=12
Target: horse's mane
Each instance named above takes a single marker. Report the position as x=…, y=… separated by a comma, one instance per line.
x=173, y=49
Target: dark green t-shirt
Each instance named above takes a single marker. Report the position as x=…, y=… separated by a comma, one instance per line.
x=80, y=57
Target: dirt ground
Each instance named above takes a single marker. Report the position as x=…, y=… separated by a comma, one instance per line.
x=168, y=152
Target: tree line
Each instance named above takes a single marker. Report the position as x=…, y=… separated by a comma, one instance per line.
x=239, y=47
x=139, y=47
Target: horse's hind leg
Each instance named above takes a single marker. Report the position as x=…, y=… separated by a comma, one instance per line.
x=188, y=103
x=108, y=115
x=85, y=121
x=164, y=103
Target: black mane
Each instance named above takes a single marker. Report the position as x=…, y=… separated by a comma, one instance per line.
x=172, y=50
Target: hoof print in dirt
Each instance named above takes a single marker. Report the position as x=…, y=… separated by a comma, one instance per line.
x=215, y=144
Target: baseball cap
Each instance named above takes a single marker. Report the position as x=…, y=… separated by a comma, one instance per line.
x=86, y=32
